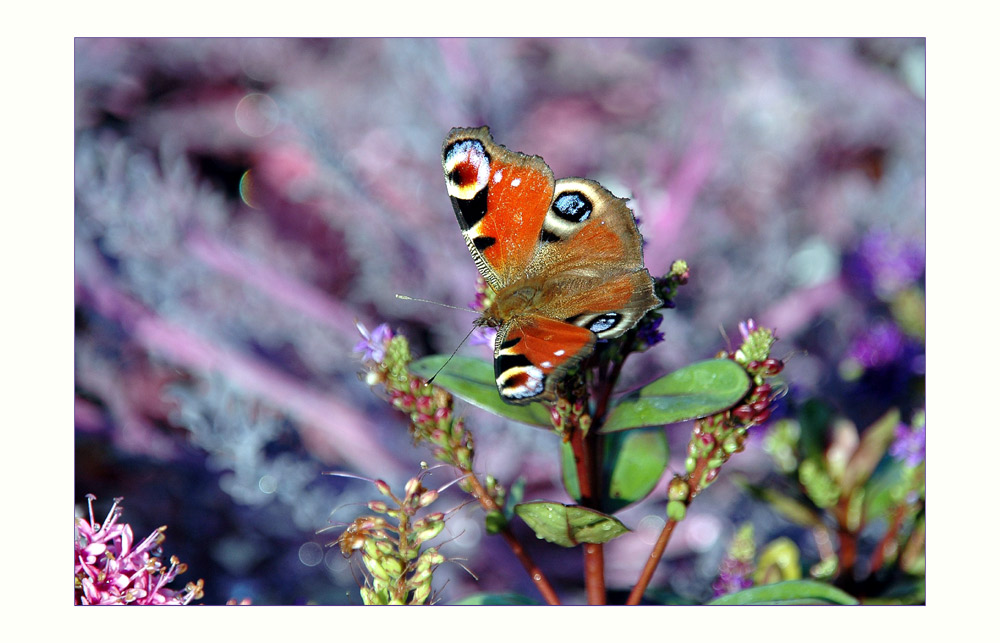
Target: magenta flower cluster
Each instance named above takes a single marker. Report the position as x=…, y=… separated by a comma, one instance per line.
x=110, y=569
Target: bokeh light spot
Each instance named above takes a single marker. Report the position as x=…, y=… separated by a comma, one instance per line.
x=257, y=115
x=267, y=484
x=311, y=554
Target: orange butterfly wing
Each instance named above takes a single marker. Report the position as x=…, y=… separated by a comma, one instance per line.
x=563, y=257
x=532, y=351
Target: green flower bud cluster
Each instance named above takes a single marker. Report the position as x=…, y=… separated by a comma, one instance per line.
x=678, y=496
x=716, y=438
x=430, y=408
x=390, y=545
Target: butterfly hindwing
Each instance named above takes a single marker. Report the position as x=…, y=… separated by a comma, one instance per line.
x=532, y=352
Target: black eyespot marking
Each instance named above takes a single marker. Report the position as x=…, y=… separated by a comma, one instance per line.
x=604, y=322
x=547, y=237
x=482, y=243
x=470, y=211
x=573, y=206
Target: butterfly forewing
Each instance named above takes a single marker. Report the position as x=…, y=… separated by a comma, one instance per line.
x=500, y=199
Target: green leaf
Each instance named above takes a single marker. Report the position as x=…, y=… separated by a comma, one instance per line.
x=695, y=391
x=570, y=480
x=792, y=592
x=473, y=381
x=634, y=462
x=497, y=599
x=792, y=509
x=874, y=442
x=569, y=525
x=667, y=597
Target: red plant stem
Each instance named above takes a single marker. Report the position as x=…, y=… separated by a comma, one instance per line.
x=586, y=450
x=651, y=563
x=694, y=480
x=889, y=539
x=593, y=567
x=537, y=577
x=847, y=538
x=534, y=572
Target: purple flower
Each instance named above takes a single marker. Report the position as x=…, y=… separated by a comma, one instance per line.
x=886, y=264
x=109, y=570
x=734, y=575
x=480, y=302
x=747, y=327
x=648, y=333
x=374, y=344
x=878, y=345
x=910, y=444
x=483, y=336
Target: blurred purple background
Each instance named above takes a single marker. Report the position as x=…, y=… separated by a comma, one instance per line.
x=241, y=202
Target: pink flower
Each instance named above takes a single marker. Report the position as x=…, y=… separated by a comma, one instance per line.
x=109, y=570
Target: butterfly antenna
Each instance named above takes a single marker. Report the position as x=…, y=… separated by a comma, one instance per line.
x=436, y=303
x=467, y=336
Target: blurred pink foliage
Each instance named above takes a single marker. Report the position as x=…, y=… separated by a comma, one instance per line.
x=240, y=203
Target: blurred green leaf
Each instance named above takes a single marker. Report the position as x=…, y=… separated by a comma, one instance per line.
x=695, y=391
x=794, y=510
x=886, y=488
x=910, y=591
x=634, y=462
x=792, y=592
x=473, y=381
x=497, y=599
x=815, y=418
x=569, y=525
x=779, y=561
x=874, y=442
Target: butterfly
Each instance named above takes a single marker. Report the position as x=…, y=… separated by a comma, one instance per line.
x=563, y=257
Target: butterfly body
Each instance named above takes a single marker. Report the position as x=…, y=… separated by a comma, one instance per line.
x=564, y=259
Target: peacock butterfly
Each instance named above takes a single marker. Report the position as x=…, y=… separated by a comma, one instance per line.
x=563, y=257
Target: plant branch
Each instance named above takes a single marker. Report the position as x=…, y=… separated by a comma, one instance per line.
x=534, y=572
x=651, y=563
x=694, y=479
